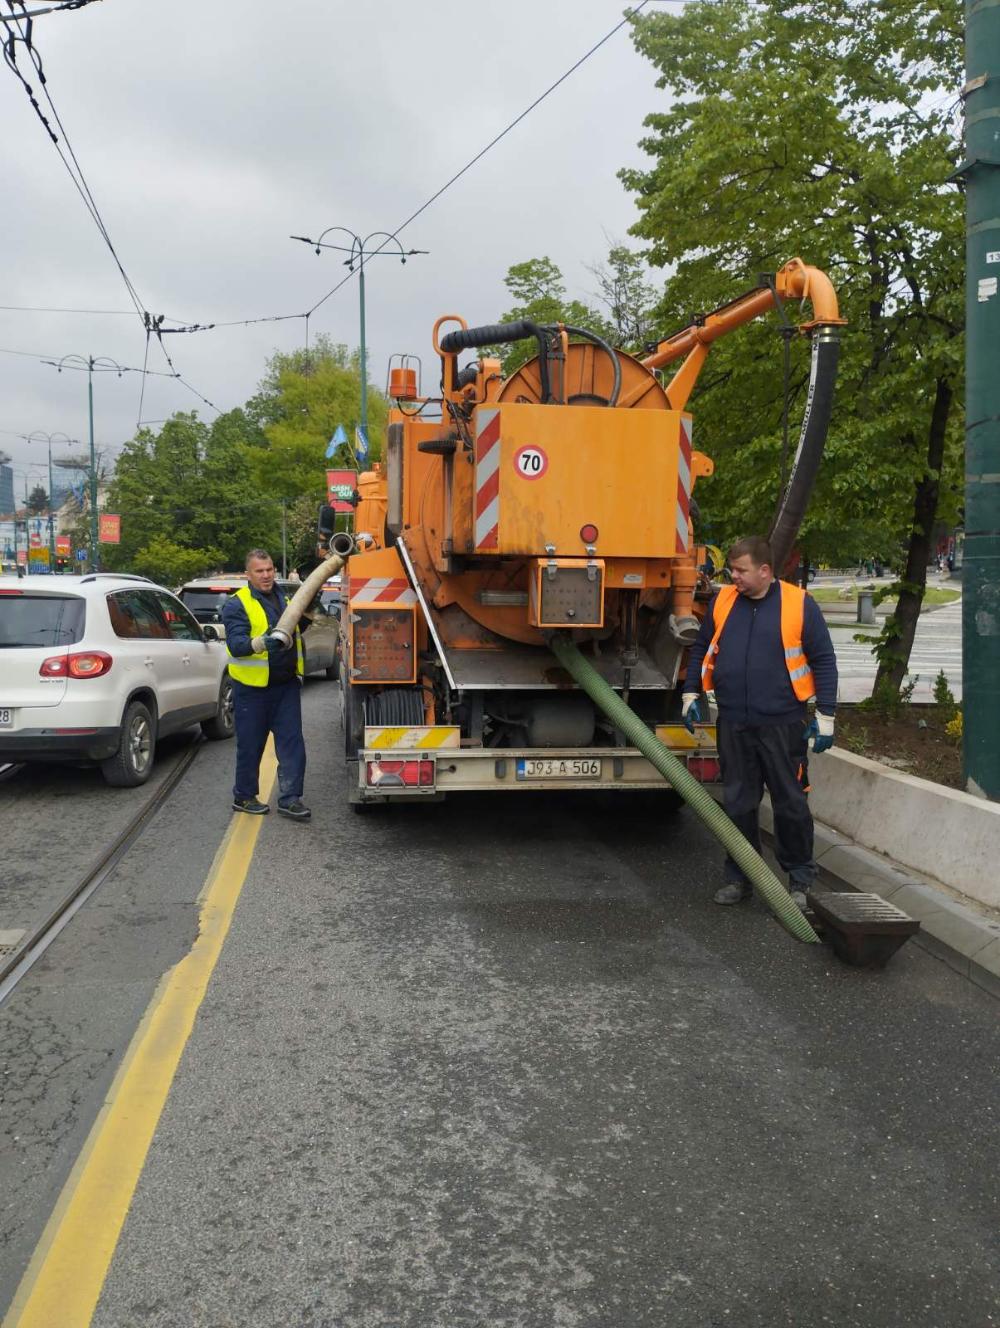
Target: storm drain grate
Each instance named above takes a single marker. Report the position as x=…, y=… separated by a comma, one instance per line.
x=9, y=942
x=864, y=930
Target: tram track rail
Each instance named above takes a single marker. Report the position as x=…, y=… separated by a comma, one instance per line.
x=17, y=965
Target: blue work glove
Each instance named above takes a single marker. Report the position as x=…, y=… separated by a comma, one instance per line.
x=691, y=710
x=275, y=646
x=819, y=732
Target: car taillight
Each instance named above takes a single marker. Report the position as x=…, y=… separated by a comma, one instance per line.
x=705, y=768
x=80, y=664
x=418, y=773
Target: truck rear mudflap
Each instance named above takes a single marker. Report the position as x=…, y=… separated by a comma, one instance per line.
x=428, y=763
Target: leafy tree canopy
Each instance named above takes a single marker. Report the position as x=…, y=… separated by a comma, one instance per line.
x=828, y=132
x=194, y=497
x=170, y=563
x=37, y=500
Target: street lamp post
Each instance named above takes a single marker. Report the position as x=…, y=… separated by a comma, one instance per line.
x=39, y=435
x=92, y=364
x=358, y=252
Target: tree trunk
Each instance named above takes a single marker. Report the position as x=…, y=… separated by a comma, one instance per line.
x=902, y=624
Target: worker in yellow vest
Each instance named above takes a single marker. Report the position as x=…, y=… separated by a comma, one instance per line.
x=764, y=649
x=267, y=691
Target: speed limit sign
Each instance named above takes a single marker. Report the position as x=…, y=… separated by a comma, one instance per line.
x=531, y=463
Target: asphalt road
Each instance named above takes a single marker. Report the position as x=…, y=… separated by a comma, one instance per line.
x=57, y=821
x=504, y=1063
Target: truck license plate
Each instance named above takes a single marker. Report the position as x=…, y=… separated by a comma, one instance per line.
x=582, y=767
x=6, y=717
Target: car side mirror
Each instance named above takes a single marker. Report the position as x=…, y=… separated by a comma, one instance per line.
x=210, y=633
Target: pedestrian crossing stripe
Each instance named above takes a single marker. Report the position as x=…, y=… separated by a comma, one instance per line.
x=394, y=738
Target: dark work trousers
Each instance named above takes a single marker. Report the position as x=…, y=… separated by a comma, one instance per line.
x=260, y=711
x=777, y=756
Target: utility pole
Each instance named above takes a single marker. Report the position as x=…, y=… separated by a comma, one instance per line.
x=39, y=435
x=981, y=567
x=284, y=539
x=92, y=365
x=359, y=253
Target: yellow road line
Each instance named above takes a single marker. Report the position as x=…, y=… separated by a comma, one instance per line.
x=64, y=1279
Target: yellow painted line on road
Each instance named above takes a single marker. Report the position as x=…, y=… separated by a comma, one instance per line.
x=63, y=1282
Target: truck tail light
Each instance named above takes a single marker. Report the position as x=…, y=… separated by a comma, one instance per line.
x=705, y=768
x=80, y=664
x=416, y=773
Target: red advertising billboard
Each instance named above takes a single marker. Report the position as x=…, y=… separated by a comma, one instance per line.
x=64, y=546
x=341, y=485
x=109, y=528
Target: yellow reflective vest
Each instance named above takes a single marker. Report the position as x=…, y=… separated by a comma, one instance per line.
x=253, y=669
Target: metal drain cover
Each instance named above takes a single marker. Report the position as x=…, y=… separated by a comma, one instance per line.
x=9, y=942
x=864, y=930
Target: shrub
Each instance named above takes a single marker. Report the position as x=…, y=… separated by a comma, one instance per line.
x=944, y=697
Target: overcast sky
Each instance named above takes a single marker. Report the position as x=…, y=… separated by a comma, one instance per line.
x=209, y=132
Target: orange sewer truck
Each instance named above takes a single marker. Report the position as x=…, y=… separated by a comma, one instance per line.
x=550, y=506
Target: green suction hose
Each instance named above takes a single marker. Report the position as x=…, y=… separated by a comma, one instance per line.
x=746, y=858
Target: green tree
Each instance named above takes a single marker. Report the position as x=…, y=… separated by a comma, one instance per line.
x=628, y=296
x=539, y=294
x=163, y=560
x=825, y=131
x=37, y=500
x=302, y=398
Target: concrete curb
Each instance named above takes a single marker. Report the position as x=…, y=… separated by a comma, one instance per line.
x=931, y=831
x=964, y=939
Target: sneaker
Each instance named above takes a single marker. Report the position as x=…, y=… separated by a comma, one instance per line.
x=798, y=898
x=733, y=893
x=250, y=805
x=295, y=811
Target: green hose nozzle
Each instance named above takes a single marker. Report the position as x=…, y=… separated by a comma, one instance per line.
x=749, y=861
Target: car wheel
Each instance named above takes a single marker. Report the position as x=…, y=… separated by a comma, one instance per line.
x=132, y=763
x=223, y=722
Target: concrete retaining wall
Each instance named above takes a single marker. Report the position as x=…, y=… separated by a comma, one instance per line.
x=935, y=831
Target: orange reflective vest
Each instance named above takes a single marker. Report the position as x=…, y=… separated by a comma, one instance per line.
x=793, y=612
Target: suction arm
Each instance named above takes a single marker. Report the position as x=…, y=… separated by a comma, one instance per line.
x=795, y=281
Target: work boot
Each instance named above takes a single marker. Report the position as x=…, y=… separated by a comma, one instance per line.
x=733, y=893
x=798, y=898
x=252, y=806
x=295, y=810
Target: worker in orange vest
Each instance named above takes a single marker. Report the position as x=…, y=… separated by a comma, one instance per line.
x=765, y=650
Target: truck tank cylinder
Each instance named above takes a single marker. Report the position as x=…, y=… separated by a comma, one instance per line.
x=554, y=721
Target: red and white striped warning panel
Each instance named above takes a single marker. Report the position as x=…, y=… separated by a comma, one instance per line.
x=683, y=484
x=382, y=590
x=487, y=478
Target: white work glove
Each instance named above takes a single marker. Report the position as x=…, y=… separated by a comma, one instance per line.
x=691, y=710
x=819, y=733
x=258, y=645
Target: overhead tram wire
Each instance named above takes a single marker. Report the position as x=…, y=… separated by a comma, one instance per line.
x=161, y=331
x=279, y=318
x=23, y=29
x=629, y=15
x=23, y=26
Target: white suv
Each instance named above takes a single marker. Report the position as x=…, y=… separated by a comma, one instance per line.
x=98, y=668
